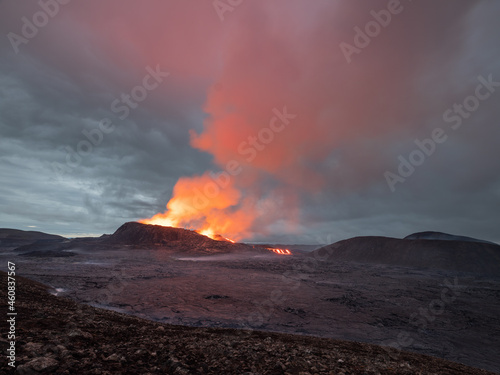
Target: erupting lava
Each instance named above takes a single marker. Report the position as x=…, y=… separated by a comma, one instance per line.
x=199, y=204
x=223, y=217
x=228, y=239
x=280, y=251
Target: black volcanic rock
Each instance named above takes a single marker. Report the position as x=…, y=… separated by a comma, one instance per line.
x=58, y=336
x=17, y=234
x=464, y=256
x=16, y=237
x=138, y=236
x=443, y=237
x=133, y=234
x=43, y=245
x=48, y=254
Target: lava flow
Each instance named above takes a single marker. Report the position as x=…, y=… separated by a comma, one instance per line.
x=280, y=251
x=228, y=239
x=223, y=217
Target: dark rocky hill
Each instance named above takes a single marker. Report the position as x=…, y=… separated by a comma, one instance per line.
x=135, y=235
x=13, y=234
x=55, y=335
x=11, y=238
x=443, y=237
x=462, y=256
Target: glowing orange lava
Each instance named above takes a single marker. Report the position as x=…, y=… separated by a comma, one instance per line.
x=207, y=232
x=280, y=251
x=199, y=204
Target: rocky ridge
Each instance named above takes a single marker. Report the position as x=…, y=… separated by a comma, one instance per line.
x=141, y=236
x=452, y=255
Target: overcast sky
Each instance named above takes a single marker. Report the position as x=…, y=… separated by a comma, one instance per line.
x=361, y=81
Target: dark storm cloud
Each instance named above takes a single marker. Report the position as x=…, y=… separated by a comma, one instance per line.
x=42, y=113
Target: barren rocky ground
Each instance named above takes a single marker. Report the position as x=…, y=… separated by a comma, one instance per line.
x=55, y=335
x=450, y=315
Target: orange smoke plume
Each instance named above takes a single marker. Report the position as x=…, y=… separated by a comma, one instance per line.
x=201, y=204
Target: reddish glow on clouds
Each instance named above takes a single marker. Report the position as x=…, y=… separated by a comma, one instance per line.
x=265, y=57
x=263, y=69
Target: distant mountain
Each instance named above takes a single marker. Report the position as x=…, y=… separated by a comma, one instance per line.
x=137, y=235
x=11, y=238
x=466, y=256
x=147, y=235
x=443, y=237
x=133, y=235
x=17, y=234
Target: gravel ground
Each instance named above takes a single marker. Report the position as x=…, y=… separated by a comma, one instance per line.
x=56, y=335
x=375, y=304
